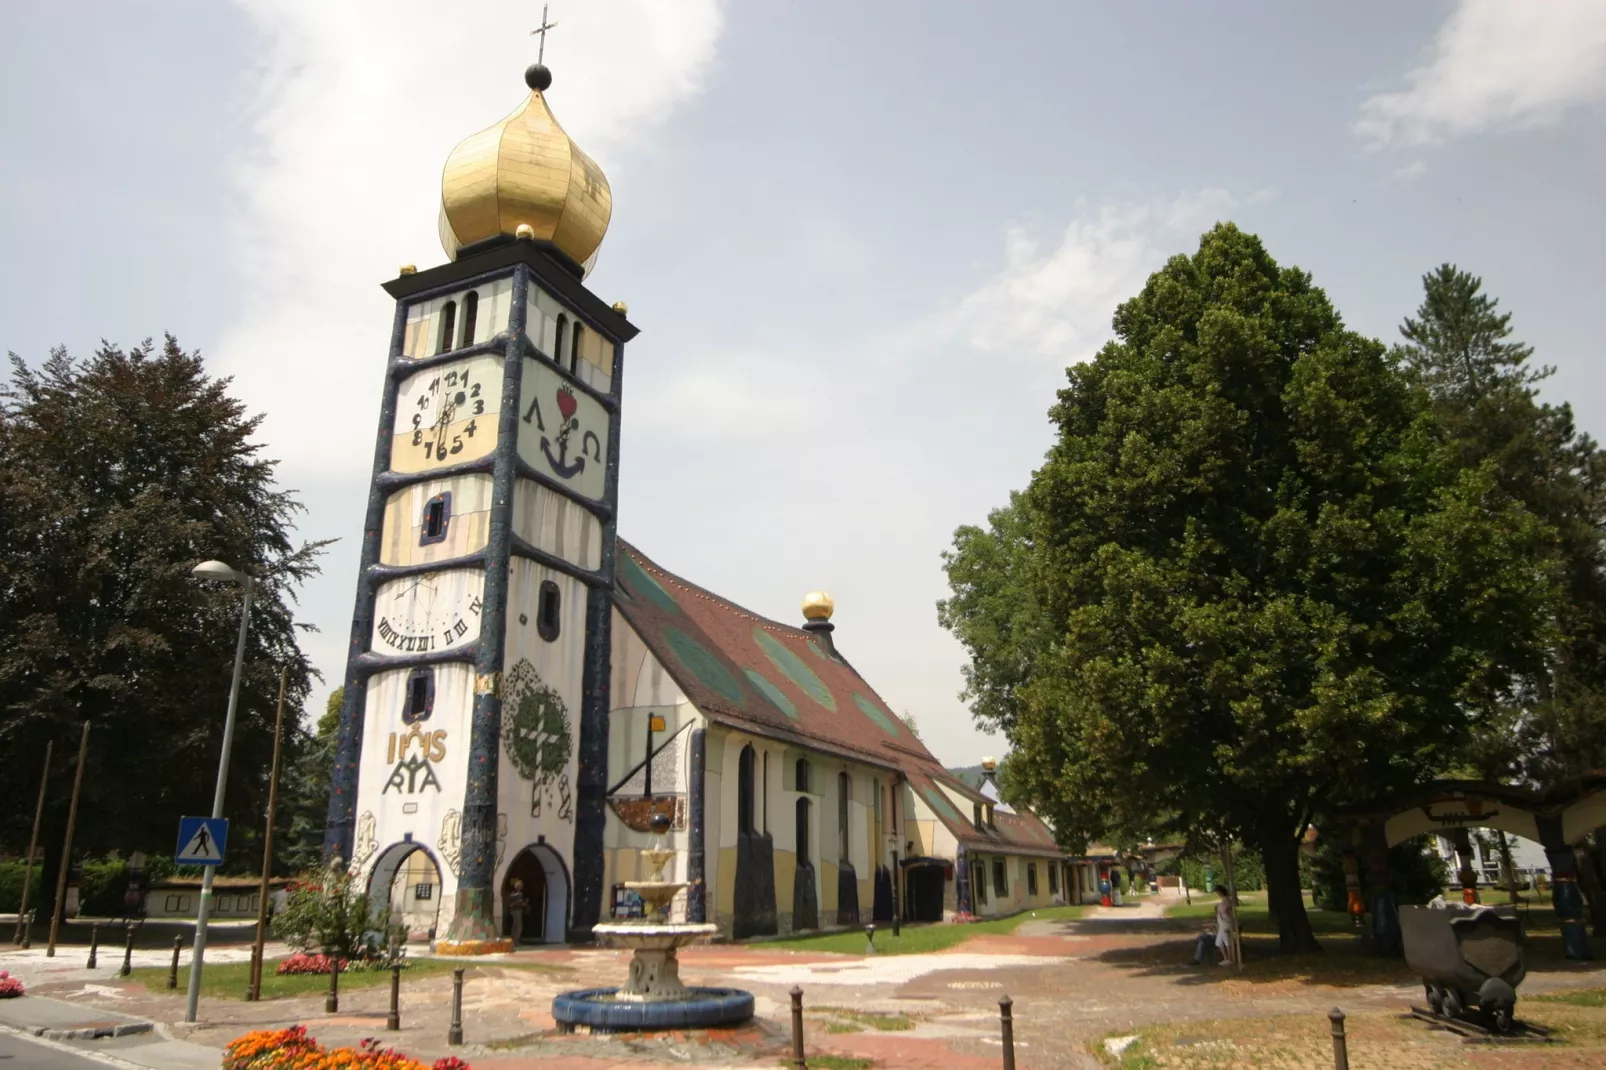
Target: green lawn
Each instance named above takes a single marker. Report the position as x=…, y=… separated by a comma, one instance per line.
x=1584, y=997
x=1253, y=917
x=915, y=939
x=230, y=980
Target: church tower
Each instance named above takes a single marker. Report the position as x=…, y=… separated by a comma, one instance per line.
x=473, y=735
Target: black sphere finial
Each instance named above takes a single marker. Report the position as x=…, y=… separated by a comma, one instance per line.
x=538, y=77
x=659, y=824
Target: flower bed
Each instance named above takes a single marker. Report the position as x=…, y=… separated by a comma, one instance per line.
x=10, y=987
x=303, y=963
x=293, y=1049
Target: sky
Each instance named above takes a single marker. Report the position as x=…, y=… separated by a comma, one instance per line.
x=863, y=242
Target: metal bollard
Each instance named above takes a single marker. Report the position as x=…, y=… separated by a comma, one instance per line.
x=172, y=971
x=393, y=1020
x=1006, y=1022
x=94, y=946
x=331, y=1003
x=799, y=1062
x=27, y=932
x=454, y=1035
x=1340, y=1045
x=128, y=951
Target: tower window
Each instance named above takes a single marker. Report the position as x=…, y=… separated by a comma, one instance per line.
x=437, y=516
x=419, y=701
x=471, y=309
x=574, y=348
x=558, y=340
x=803, y=774
x=448, y=327
x=546, y=613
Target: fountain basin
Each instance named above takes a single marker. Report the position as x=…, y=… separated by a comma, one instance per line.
x=602, y=1011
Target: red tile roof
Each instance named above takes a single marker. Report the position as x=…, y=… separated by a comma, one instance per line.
x=781, y=682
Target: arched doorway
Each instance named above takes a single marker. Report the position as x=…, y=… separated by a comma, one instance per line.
x=546, y=889
x=407, y=877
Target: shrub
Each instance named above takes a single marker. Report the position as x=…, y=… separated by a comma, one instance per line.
x=293, y=1049
x=10, y=987
x=328, y=911
x=11, y=884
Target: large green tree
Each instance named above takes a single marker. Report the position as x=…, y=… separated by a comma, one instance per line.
x=1250, y=581
x=117, y=475
x=1483, y=385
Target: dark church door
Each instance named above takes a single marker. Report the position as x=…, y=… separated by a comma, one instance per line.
x=923, y=893
x=527, y=868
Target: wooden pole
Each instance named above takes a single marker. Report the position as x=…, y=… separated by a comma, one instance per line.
x=393, y=1019
x=33, y=847
x=66, y=847
x=128, y=951
x=1340, y=1043
x=255, y=992
x=172, y=971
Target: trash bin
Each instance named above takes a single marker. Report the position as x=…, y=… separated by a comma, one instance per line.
x=1202, y=946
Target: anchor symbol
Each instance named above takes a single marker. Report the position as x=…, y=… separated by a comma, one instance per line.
x=561, y=464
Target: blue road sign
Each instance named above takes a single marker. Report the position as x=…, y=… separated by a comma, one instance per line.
x=201, y=841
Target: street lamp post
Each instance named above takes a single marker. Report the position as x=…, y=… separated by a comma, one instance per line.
x=217, y=570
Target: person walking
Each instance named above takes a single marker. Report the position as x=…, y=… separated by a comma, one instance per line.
x=1224, y=925
x=518, y=904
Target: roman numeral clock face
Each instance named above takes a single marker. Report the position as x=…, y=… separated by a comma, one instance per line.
x=429, y=613
x=447, y=415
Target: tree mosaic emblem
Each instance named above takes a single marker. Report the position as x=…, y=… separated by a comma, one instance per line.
x=537, y=739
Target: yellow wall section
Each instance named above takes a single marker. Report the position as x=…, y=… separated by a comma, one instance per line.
x=466, y=528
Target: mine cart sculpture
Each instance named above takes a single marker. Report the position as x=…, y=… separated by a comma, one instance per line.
x=1467, y=957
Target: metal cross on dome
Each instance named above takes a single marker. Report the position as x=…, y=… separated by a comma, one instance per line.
x=540, y=53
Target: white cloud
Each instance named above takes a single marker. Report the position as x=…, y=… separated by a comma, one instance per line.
x=1411, y=171
x=1495, y=64
x=1055, y=301
x=357, y=105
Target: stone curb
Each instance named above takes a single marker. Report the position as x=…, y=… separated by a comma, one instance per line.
x=92, y=1032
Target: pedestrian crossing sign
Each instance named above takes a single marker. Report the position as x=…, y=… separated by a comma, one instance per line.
x=201, y=841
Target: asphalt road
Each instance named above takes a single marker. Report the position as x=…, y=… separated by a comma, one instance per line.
x=18, y=1053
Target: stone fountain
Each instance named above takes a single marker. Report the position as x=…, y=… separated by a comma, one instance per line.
x=653, y=996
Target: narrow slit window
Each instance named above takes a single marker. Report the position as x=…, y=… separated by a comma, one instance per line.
x=419, y=701
x=558, y=340
x=745, y=792
x=448, y=327
x=803, y=774
x=574, y=349
x=436, y=519
x=471, y=311
x=547, y=619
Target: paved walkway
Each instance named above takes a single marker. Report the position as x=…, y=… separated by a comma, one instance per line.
x=1120, y=969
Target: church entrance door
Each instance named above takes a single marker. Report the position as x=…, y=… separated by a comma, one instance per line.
x=407, y=877
x=527, y=868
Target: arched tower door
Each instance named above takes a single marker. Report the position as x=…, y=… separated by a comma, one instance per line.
x=545, y=885
x=407, y=877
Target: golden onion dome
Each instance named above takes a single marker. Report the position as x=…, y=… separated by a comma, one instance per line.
x=817, y=605
x=525, y=172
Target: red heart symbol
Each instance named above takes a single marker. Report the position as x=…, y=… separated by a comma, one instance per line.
x=566, y=404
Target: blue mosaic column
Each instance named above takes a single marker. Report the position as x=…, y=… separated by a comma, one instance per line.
x=474, y=919
x=696, y=887
x=1564, y=894
x=341, y=826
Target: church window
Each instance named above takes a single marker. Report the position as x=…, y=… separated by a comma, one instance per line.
x=766, y=814
x=419, y=702
x=448, y=327
x=574, y=348
x=744, y=791
x=1031, y=878
x=1000, y=878
x=557, y=345
x=803, y=775
x=976, y=808
x=546, y=614
x=844, y=785
x=437, y=515
x=803, y=829
x=1053, y=878
x=471, y=310
x=978, y=883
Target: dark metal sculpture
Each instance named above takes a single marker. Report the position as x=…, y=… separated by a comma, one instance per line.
x=1467, y=957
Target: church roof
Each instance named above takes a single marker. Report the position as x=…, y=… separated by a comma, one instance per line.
x=746, y=670
x=780, y=681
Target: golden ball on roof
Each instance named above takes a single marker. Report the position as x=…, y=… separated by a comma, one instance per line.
x=989, y=763
x=525, y=172
x=817, y=605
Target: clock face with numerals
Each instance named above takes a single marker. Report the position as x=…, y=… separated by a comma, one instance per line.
x=428, y=613
x=447, y=415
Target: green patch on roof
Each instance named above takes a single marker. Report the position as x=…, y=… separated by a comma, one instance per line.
x=817, y=649
x=939, y=802
x=872, y=711
x=640, y=581
x=773, y=693
x=791, y=666
x=703, y=665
